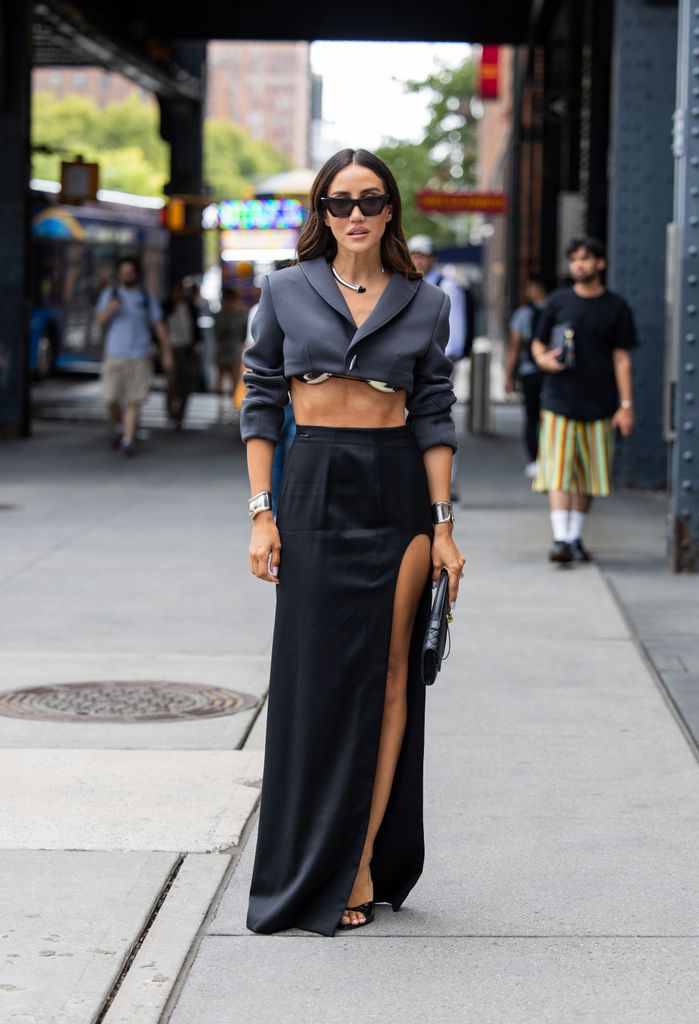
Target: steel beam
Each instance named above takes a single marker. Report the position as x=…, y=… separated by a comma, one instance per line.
x=15, y=95
x=640, y=207
x=683, y=533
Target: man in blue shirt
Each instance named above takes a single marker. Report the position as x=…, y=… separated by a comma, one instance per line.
x=127, y=313
x=521, y=365
x=421, y=248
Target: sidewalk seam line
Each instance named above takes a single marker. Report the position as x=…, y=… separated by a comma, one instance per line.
x=647, y=659
x=235, y=854
x=126, y=966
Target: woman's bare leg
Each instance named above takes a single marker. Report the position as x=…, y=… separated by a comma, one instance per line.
x=413, y=574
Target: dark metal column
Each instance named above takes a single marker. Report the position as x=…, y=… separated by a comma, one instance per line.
x=640, y=207
x=684, y=499
x=15, y=94
x=182, y=125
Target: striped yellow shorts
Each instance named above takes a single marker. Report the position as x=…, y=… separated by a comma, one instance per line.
x=573, y=456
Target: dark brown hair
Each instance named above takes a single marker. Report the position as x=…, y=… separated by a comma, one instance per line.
x=316, y=238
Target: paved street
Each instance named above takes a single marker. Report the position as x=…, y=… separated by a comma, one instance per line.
x=562, y=807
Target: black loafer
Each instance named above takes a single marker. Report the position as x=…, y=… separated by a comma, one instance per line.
x=560, y=551
x=580, y=553
x=368, y=909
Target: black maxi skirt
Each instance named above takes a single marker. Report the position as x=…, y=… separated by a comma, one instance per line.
x=351, y=500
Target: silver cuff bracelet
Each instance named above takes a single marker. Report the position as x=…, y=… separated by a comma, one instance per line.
x=442, y=512
x=261, y=502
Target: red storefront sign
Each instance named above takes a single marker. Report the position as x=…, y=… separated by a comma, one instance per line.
x=488, y=75
x=433, y=201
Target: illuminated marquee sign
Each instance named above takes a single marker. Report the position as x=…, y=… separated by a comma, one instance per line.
x=431, y=201
x=245, y=214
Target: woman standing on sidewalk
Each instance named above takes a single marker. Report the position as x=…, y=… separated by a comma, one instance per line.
x=356, y=338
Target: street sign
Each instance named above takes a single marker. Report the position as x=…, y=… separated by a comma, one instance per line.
x=433, y=201
x=79, y=181
x=488, y=73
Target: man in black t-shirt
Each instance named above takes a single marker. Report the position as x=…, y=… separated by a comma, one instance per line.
x=583, y=339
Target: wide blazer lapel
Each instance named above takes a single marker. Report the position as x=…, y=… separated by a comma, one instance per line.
x=397, y=294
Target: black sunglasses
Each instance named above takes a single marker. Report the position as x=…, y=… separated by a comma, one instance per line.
x=370, y=206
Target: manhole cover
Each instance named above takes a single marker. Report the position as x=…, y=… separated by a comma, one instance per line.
x=123, y=702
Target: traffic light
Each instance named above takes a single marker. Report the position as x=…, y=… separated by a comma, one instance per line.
x=182, y=215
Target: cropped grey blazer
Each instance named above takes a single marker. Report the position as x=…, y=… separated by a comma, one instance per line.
x=303, y=325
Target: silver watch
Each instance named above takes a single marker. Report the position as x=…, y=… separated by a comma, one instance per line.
x=261, y=502
x=442, y=512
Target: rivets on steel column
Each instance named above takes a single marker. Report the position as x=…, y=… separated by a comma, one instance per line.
x=686, y=485
x=690, y=338
x=689, y=367
x=692, y=250
x=688, y=427
x=687, y=456
x=691, y=310
x=689, y=397
x=694, y=221
x=692, y=279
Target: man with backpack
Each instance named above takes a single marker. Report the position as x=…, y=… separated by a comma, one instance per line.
x=521, y=366
x=127, y=313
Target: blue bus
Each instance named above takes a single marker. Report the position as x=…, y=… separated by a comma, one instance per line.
x=74, y=251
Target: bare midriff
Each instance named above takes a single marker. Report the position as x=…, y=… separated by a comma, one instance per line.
x=341, y=402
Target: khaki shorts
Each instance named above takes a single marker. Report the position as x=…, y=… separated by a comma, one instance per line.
x=126, y=380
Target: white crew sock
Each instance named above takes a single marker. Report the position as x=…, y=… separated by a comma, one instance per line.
x=576, y=525
x=559, y=523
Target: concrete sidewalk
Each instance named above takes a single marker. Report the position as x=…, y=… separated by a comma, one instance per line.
x=562, y=812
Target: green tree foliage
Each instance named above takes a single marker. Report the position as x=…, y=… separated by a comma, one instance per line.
x=234, y=161
x=124, y=139
x=447, y=154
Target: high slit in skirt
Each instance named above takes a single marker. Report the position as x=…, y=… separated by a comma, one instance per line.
x=351, y=500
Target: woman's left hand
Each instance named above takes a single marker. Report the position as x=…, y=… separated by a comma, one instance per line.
x=446, y=555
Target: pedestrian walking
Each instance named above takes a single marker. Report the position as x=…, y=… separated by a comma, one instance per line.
x=355, y=336
x=461, y=314
x=584, y=336
x=127, y=314
x=193, y=292
x=520, y=366
x=230, y=331
x=182, y=322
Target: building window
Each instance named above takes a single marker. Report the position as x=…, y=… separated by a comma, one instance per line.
x=79, y=80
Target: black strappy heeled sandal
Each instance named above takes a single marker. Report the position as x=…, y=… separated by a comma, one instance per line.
x=368, y=909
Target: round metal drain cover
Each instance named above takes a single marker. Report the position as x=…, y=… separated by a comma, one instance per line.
x=123, y=702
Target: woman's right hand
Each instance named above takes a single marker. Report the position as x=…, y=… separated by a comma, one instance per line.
x=264, y=543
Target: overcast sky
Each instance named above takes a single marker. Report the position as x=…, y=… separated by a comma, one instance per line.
x=363, y=100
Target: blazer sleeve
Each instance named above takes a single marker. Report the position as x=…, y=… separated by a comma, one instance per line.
x=262, y=411
x=429, y=404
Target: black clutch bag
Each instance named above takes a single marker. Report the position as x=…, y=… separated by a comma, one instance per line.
x=437, y=631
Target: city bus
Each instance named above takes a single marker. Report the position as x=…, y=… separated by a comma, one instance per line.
x=74, y=251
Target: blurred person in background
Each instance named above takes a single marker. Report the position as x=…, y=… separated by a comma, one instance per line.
x=521, y=367
x=421, y=248
x=181, y=319
x=193, y=289
x=127, y=314
x=230, y=333
x=582, y=343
